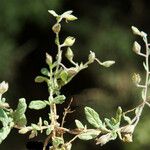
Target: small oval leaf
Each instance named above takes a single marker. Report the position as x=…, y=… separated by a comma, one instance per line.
x=89, y=134
x=40, y=79
x=37, y=104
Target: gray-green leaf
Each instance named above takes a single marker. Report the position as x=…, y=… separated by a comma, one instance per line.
x=5, y=130
x=37, y=104
x=59, y=99
x=89, y=134
x=48, y=131
x=79, y=124
x=45, y=71
x=57, y=141
x=19, y=114
x=40, y=79
x=64, y=76
x=93, y=117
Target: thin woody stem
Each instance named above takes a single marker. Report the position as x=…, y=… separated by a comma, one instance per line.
x=145, y=88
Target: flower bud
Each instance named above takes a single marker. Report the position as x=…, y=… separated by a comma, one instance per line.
x=24, y=130
x=108, y=63
x=72, y=71
x=136, y=78
x=49, y=59
x=136, y=47
x=136, y=31
x=126, y=133
x=70, y=18
x=3, y=87
x=69, y=41
x=127, y=138
x=69, y=53
x=56, y=28
x=91, y=57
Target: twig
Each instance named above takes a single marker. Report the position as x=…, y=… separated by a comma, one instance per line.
x=46, y=141
x=67, y=110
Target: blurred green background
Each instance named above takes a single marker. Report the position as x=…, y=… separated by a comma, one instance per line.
x=103, y=27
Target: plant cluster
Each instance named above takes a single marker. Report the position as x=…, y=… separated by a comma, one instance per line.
x=56, y=75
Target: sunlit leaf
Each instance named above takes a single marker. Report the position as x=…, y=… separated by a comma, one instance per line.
x=89, y=134
x=19, y=113
x=93, y=117
x=5, y=130
x=59, y=99
x=79, y=124
x=37, y=104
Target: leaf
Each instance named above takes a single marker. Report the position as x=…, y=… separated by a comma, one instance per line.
x=48, y=131
x=24, y=130
x=33, y=134
x=45, y=72
x=79, y=124
x=102, y=140
x=109, y=124
x=52, y=12
x=89, y=134
x=40, y=122
x=118, y=114
x=5, y=130
x=37, y=104
x=19, y=114
x=22, y=106
x=57, y=141
x=59, y=99
x=93, y=117
x=127, y=119
x=65, y=14
x=35, y=127
x=64, y=76
x=22, y=121
x=40, y=79
x=45, y=122
x=145, y=67
x=143, y=94
x=108, y=63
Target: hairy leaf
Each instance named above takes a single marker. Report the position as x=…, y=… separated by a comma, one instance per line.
x=40, y=79
x=79, y=124
x=19, y=114
x=89, y=134
x=37, y=104
x=6, y=128
x=45, y=71
x=59, y=99
x=57, y=141
x=93, y=117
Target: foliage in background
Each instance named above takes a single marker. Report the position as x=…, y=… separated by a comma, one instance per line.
x=14, y=16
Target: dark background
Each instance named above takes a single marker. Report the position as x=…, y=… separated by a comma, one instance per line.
x=104, y=27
